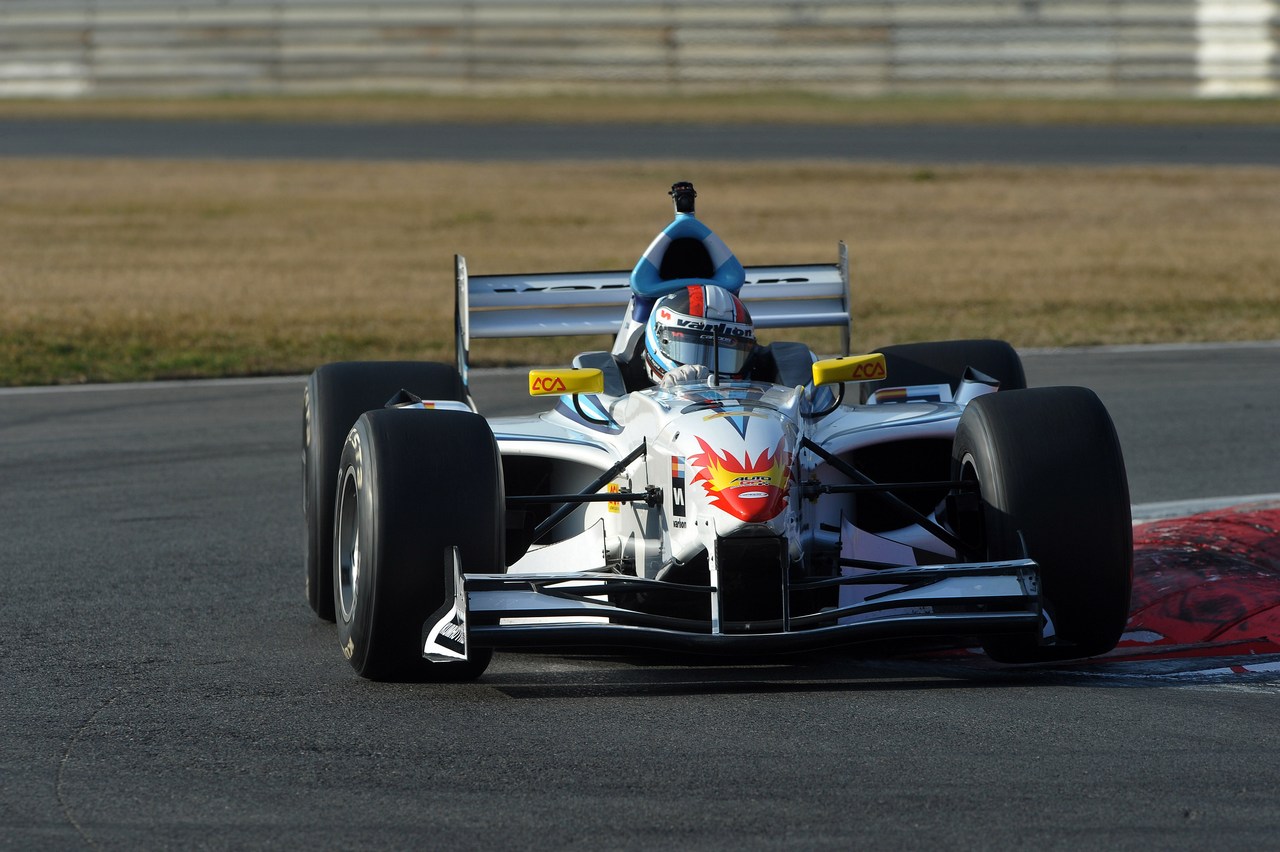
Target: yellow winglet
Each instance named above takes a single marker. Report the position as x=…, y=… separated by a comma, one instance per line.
x=559, y=382
x=850, y=368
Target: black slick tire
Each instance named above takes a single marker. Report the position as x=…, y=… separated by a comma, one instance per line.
x=410, y=485
x=1050, y=472
x=336, y=394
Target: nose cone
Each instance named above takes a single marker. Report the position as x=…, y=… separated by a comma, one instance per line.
x=751, y=489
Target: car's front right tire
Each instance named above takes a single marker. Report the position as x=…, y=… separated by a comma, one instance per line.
x=410, y=485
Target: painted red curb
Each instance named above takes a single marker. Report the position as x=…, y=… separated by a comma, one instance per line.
x=1205, y=585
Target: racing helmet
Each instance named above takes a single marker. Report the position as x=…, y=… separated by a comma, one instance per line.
x=699, y=324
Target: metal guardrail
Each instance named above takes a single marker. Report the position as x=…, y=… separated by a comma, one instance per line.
x=856, y=47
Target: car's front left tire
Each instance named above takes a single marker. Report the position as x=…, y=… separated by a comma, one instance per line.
x=1051, y=476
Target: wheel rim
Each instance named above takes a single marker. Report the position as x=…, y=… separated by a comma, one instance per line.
x=348, y=544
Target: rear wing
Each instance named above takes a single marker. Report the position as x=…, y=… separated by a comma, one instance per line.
x=571, y=303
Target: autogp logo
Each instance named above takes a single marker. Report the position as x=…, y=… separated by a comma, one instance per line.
x=749, y=489
x=548, y=384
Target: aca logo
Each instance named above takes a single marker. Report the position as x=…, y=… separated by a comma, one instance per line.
x=547, y=384
x=872, y=370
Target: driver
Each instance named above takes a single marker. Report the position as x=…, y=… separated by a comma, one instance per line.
x=694, y=330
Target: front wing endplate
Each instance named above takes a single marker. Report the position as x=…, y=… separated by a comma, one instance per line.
x=444, y=635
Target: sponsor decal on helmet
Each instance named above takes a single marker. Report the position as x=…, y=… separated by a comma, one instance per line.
x=725, y=330
x=749, y=489
x=696, y=305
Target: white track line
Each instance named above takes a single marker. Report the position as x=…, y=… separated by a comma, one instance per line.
x=1135, y=348
x=161, y=385
x=1138, y=348
x=1181, y=508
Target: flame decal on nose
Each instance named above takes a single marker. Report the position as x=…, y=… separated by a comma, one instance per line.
x=751, y=490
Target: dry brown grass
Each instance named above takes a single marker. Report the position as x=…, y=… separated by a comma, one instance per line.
x=119, y=269
x=711, y=108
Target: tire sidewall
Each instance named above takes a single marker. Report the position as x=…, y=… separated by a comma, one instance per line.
x=355, y=623
x=357, y=636
x=315, y=504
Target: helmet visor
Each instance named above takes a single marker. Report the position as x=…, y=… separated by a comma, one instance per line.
x=728, y=348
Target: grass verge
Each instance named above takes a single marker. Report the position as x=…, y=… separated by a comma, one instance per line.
x=126, y=270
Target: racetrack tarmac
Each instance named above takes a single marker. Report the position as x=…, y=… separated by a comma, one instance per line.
x=167, y=686
x=942, y=143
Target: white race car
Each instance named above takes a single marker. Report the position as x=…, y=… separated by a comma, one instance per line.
x=761, y=500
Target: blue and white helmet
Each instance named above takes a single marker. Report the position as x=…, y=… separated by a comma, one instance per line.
x=700, y=324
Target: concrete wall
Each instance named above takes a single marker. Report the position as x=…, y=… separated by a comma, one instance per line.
x=854, y=47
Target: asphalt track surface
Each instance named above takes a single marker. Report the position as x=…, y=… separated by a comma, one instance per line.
x=1026, y=145
x=166, y=686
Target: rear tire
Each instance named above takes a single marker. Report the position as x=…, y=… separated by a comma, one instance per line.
x=1049, y=466
x=944, y=362
x=412, y=484
x=336, y=394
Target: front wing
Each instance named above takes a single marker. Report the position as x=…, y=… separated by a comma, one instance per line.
x=580, y=610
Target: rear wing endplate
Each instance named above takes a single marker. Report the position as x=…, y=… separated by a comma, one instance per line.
x=577, y=303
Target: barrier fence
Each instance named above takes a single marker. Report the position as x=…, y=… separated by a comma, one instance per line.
x=1102, y=48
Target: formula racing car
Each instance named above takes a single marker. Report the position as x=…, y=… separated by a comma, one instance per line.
x=696, y=490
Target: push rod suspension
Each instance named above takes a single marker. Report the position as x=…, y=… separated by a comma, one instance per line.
x=567, y=508
x=883, y=494
x=650, y=495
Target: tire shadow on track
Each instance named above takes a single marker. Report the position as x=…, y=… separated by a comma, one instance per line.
x=632, y=677
x=629, y=679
